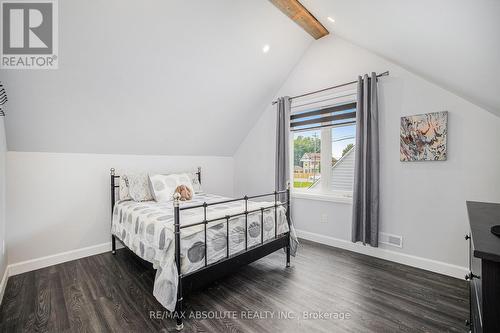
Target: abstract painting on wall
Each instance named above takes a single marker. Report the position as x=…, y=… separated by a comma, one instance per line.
x=423, y=137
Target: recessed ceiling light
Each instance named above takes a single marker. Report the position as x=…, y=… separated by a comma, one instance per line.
x=266, y=48
x=331, y=19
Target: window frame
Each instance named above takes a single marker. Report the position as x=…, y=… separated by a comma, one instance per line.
x=321, y=194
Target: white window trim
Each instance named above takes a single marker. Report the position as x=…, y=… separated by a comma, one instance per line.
x=330, y=196
x=334, y=196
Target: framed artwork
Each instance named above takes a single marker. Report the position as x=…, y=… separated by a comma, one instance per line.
x=423, y=137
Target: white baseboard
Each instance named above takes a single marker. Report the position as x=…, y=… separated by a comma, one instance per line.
x=402, y=258
x=33, y=264
x=3, y=283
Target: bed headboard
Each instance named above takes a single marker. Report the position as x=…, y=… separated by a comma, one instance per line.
x=115, y=185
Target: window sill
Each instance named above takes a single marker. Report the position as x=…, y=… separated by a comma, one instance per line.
x=331, y=197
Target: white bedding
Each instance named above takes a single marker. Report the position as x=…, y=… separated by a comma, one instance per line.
x=147, y=228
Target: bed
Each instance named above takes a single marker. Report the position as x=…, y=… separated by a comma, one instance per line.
x=192, y=243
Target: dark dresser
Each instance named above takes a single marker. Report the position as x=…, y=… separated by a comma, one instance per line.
x=484, y=267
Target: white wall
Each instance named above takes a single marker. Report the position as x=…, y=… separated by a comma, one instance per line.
x=59, y=202
x=424, y=202
x=3, y=149
x=153, y=77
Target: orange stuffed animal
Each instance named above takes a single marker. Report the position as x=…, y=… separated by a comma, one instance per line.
x=185, y=192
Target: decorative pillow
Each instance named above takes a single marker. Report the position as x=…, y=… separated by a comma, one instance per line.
x=124, y=188
x=164, y=185
x=139, y=187
x=196, y=182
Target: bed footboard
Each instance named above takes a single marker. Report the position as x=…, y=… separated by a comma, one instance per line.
x=212, y=272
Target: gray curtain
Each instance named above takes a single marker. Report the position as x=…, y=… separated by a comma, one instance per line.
x=282, y=171
x=365, y=214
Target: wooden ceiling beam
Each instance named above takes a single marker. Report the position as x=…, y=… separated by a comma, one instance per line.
x=300, y=15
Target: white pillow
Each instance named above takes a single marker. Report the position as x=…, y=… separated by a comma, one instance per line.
x=139, y=189
x=163, y=186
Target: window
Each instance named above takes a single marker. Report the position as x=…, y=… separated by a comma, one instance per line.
x=324, y=136
x=343, y=142
x=306, y=158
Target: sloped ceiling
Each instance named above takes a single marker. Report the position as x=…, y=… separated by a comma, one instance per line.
x=454, y=43
x=153, y=77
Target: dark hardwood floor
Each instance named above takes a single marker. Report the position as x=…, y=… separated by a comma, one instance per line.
x=106, y=293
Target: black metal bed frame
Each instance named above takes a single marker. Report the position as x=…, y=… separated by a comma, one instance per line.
x=211, y=272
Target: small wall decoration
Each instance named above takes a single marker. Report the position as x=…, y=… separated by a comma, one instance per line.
x=3, y=99
x=423, y=137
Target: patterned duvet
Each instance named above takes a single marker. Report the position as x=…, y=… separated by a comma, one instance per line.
x=147, y=228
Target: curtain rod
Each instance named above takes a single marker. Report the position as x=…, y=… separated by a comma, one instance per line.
x=329, y=88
